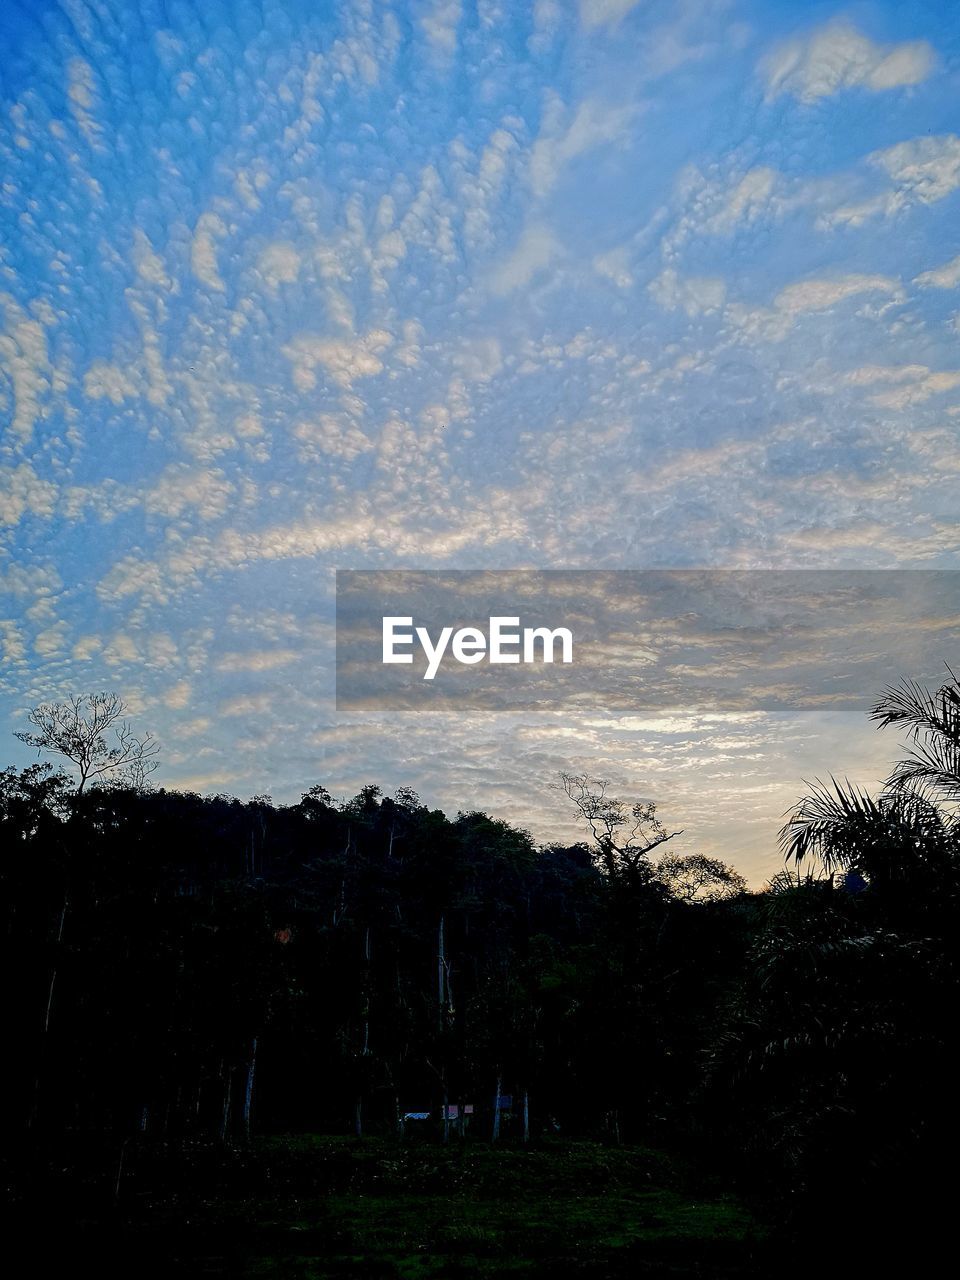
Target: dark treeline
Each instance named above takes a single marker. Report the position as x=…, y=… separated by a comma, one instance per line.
x=186, y=967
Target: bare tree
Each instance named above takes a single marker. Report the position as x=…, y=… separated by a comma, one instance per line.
x=624, y=835
x=93, y=732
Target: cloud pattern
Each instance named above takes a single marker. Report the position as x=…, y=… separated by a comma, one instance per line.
x=287, y=287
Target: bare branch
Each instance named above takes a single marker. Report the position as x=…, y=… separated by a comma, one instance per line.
x=607, y=817
x=79, y=730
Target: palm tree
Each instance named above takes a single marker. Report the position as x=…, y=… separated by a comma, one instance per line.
x=931, y=768
x=846, y=829
x=911, y=827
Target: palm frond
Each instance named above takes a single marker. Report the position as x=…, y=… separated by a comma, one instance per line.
x=931, y=769
x=918, y=710
x=830, y=824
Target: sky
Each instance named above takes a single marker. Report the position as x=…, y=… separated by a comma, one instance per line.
x=617, y=284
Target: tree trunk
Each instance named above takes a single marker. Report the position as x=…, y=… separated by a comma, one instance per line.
x=496, y=1110
x=46, y=1016
x=441, y=972
x=248, y=1091
x=526, y=1116
x=225, y=1118
x=116, y=1185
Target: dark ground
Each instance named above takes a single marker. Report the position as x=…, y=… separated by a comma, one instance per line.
x=303, y=1207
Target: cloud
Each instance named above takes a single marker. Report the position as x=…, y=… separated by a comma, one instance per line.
x=12, y=646
x=615, y=266
x=923, y=171
x=945, y=277
x=604, y=13
x=330, y=437
x=744, y=203
x=105, y=381
x=246, y=705
x=344, y=360
x=51, y=642
x=148, y=263
x=258, y=660
x=180, y=488
x=818, y=295
x=178, y=695
x=307, y=324
x=27, y=580
x=547, y=18
x=695, y=295
x=279, y=263
x=593, y=125
x=203, y=251
x=536, y=250
x=22, y=492
x=439, y=24
x=837, y=57
x=908, y=384
x=25, y=355
x=81, y=97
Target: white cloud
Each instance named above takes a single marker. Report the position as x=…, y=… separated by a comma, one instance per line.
x=772, y=324
x=593, y=125
x=86, y=647
x=246, y=705
x=480, y=359
x=923, y=169
x=50, y=642
x=343, y=359
x=537, y=248
x=24, y=353
x=615, y=266
x=12, y=646
x=180, y=488
x=279, y=263
x=819, y=295
x=439, y=24
x=177, y=697
x=696, y=295
x=839, y=57
x=547, y=17
x=81, y=97
x=945, y=277
x=744, y=203
x=907, y=384
x=148, y=263
x=604, y=13
x=105, y=381
x=24, y=580
x=22, y=492
x=330, y=437
x=258, y=660
x=203, y=251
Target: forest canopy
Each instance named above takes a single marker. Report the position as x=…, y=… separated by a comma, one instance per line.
x=202, y=967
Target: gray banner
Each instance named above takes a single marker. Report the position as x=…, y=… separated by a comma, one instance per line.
x=632, y=641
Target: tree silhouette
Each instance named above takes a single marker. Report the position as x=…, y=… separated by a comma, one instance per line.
x=81, y=730
x=931, y=767
x=624, y=835
x=695, y=877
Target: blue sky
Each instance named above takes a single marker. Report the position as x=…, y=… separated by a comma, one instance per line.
x=287, y=287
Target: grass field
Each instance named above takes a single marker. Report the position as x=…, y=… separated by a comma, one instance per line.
x=297, y=1208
